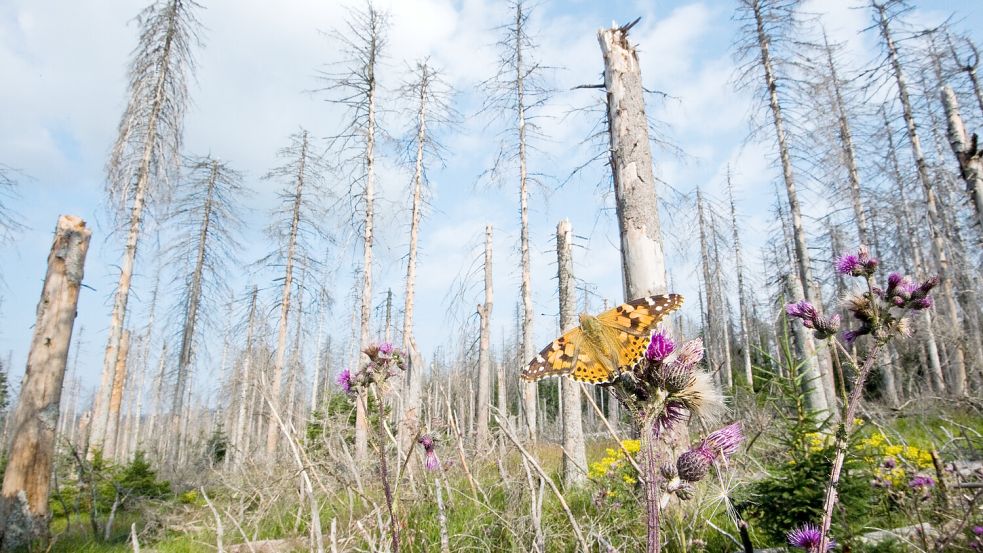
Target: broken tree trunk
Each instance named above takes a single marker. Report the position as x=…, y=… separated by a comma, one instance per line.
x=642, y=257
x=24, y=497
x=574, y=450
x=967, y=152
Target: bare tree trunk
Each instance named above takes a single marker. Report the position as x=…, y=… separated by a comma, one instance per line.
x=361, y=416
x=162, y=100
x=484, y=347
x=272, y=432
x=155, y=412
x=957, y=382
x=935, y=364
x=815, y=381
x=967, y=152
x=116, y=399
x=194, y=295
x=643, y=260
x=741, y=292
x=24, y=498
x=295, y=365
x=574, y=449
x=238, y=449
x=414, y=376
x=846, y=143
x=530, y=391
x=710, y=315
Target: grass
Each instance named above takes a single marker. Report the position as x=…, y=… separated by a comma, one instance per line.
x=499, y=518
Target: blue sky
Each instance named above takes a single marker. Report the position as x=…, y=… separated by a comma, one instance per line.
x=63, y=65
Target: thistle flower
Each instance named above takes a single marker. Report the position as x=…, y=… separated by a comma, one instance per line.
x=345, y=381
x=807, y=538
x=823, y=326
x=826, y=326
x=429, y=447
x=921, y=481
x=802, y=310
x=385, y=350
x=660, y=347
x=850, y=336
x=858, y=264
x=694, y=464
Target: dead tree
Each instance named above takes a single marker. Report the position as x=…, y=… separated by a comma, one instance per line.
x=206, y=215
x=356, y=88
x=295, y=224
x=838, y=101
x=484, y=348
x=433, y=110
x=24, y=498
x=517, y=90
x=741, y=290
x=967, y=152
x=642, y=254
x=936, y=375
x=9, y=222
x=574, y=449
x=146, y=152
x=238, y=449
x=116, y=398
x=764, y=21
x=957, y=383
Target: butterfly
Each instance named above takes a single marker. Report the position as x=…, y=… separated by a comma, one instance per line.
x=602, y=347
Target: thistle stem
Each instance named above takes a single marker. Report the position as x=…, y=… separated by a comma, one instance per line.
x=384, y=474
x=652, y=483
x=842, y=441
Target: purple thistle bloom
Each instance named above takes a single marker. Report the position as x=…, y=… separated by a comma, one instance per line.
x=807, y=537
x=671, y=414
x=847, y=264
x=930, y=283
x=660, y=347
x=345, y=381
x=385, y=350
x=802, y=310
x=923, y=303
x=726, y=440
x=429, y=445
x=694, y=464
x=978, y=530
x=892, y=281
x=921, y=481
x=850, y=336
x=890, y=463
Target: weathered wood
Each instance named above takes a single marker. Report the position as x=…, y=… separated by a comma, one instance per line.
x=956, y=382
x=26, y=481
x=818, y=381
x=272, y=432
x=116, y=398
x=574, y=450
x=967, y=152
x=484, y=347
x=642, y=256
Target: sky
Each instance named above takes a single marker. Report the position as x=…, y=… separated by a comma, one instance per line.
x=64, y=70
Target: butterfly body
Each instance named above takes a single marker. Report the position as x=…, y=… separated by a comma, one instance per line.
x=603, y=346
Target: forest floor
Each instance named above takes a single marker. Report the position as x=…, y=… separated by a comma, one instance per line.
x=497, y=507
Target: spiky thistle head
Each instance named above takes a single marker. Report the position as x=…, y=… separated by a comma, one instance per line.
x=808, y=537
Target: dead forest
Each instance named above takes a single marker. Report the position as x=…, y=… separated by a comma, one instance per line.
x=508, y=295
